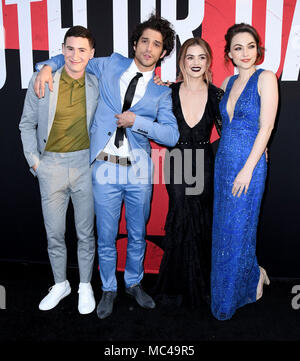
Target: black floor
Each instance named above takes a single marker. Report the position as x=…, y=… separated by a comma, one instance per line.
x=270, y=319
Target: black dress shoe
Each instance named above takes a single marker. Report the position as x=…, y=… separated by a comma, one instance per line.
x=105, y=306
x=140, y=296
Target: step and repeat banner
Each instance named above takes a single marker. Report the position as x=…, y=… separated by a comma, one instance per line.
x=33, y=30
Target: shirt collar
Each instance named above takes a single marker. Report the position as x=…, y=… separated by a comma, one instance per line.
x=147, y=75
x=69, y=80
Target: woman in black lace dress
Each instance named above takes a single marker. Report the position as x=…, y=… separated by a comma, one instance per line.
x=184, y=275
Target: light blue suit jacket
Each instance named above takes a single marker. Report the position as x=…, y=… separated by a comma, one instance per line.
x=38, y=115
x=154, y=117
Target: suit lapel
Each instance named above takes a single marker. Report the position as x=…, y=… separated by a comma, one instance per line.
x=89, y=98
x=123, y=66
x=150, y=93
x=53, y=99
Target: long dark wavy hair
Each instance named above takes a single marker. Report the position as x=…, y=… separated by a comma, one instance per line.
x=243, y=28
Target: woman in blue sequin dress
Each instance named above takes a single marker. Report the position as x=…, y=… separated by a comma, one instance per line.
x=248, y=110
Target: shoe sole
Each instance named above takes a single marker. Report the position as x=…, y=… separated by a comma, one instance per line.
x=87, y=312
x=67, y=292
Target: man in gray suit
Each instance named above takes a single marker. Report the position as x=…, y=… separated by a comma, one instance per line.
x=55, y=137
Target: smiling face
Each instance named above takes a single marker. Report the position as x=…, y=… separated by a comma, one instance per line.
x=195, y=62
x=77, y=52
x=243, y=50
x=148, y=50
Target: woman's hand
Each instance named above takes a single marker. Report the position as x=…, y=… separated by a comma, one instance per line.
x=241, y=182
x=157, y=80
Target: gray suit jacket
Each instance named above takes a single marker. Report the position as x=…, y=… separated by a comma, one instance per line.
x=38, y=115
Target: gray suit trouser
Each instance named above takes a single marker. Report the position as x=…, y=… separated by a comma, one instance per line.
x=61, y=176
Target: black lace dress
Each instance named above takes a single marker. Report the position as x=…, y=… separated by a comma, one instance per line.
x=184, y=276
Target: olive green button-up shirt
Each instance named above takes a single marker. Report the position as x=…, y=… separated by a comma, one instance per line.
x=69, y=129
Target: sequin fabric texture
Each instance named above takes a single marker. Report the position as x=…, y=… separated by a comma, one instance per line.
x=235, y=272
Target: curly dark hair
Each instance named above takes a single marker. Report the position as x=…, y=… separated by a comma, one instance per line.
x=160, y=24
x=243, y=28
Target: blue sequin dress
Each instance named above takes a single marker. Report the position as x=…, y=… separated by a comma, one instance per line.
x=235, y=271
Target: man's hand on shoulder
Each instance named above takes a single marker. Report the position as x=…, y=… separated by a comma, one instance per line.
x=126, y=119
x=44, y=76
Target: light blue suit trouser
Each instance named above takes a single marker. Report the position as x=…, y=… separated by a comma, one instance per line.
x=113, y=183
x=63, y=176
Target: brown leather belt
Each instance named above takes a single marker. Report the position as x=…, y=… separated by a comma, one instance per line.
x=125, y=161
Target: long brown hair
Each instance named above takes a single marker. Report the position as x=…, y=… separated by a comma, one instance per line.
x=242, y=28
x=182, y=54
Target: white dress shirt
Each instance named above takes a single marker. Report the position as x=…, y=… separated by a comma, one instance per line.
x=125, y=79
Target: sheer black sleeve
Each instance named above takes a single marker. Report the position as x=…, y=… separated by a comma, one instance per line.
x=215, y=95
x=218, y=118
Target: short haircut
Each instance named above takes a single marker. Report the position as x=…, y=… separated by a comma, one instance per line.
x=182, y=54
x=160, y=24
x=243, y=28
x=80, y=32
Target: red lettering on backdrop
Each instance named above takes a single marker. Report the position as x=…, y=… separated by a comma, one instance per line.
x=288, y=13
x=218, y=16
x=39, y=24
x=259, y=8
x=10, y=23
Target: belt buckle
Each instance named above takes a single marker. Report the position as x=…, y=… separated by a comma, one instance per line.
x=113, y=158
x=123, y=161
x=116, y=159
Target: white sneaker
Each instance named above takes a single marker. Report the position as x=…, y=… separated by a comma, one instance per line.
x=55, y=295
x=86, y=300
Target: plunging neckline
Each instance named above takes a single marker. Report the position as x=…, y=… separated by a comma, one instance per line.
x=183, y=117
x=236, y=76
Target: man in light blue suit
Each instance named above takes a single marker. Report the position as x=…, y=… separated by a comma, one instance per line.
x=55, y=137
x=132, y=109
